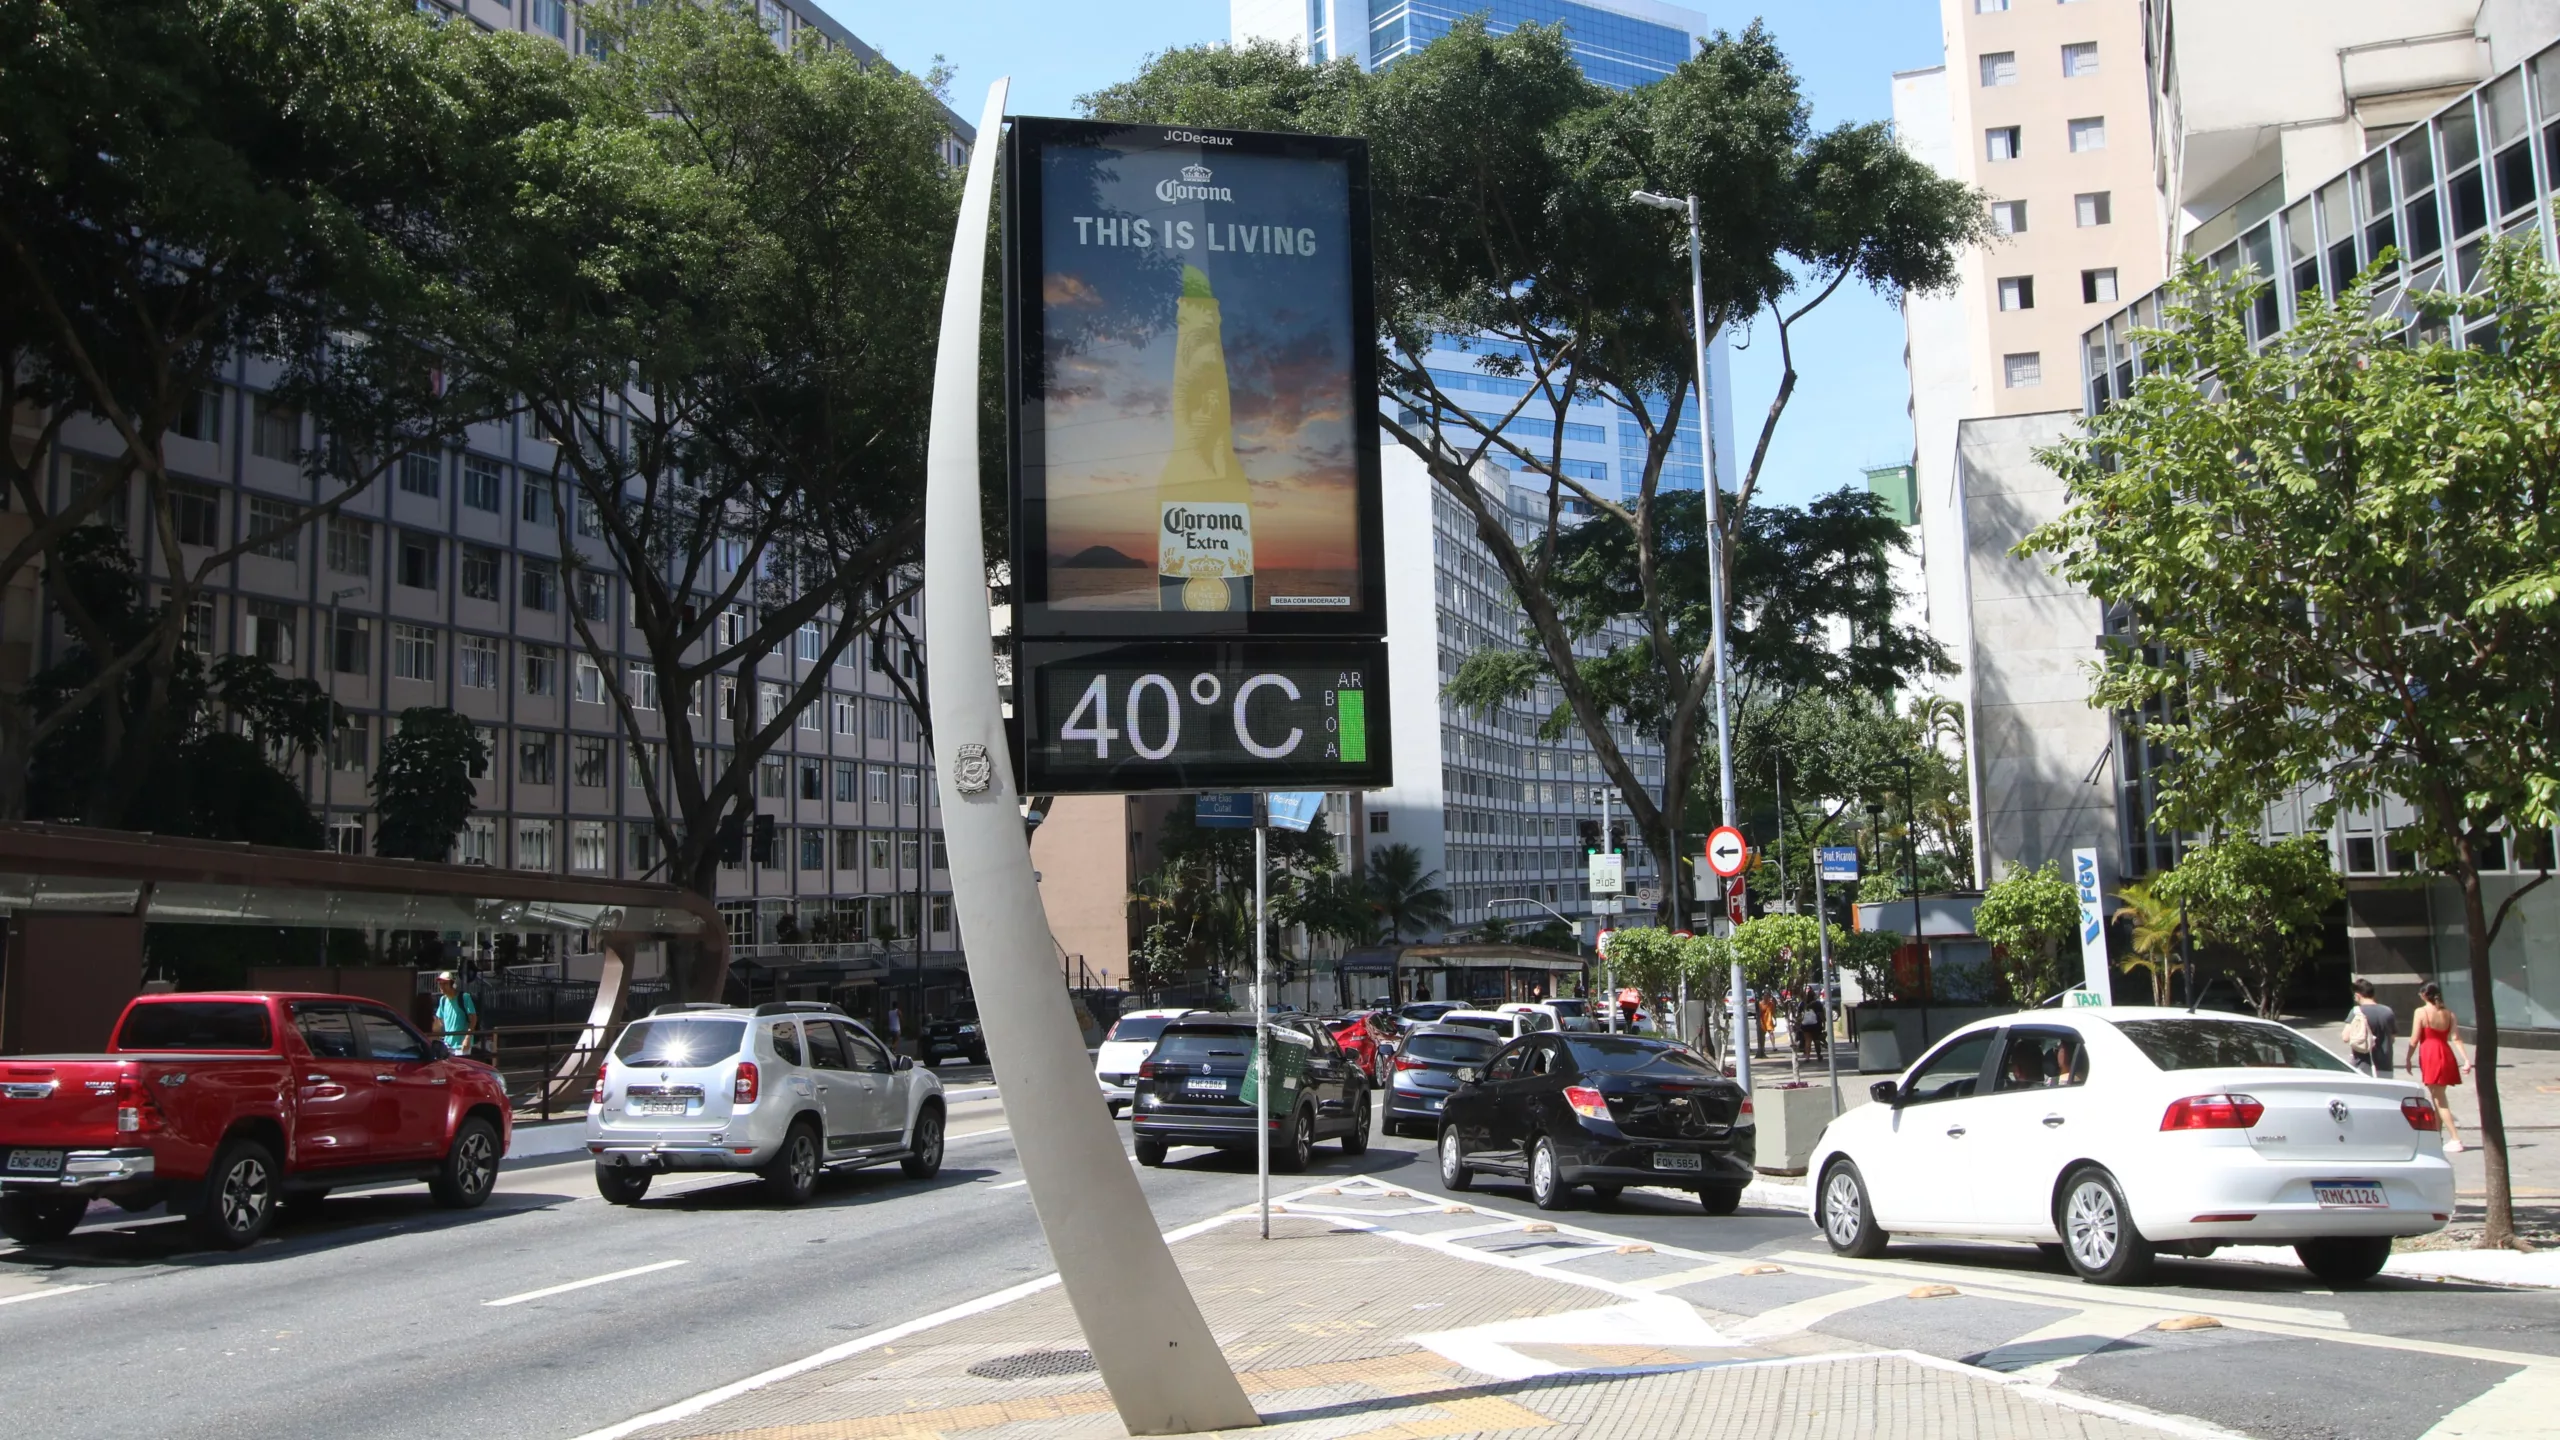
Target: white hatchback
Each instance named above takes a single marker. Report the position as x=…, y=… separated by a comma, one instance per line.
x=1131, y=1040
x=2110, y=1136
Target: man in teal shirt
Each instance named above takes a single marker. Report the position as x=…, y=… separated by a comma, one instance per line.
x=457, y=1017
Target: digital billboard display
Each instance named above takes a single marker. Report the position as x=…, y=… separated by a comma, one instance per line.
x=1188, y=715
x=1193, y=393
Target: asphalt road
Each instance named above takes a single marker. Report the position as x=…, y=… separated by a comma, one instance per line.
x=377, y=1318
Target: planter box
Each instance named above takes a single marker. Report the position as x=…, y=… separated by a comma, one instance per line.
x=1791, y=1120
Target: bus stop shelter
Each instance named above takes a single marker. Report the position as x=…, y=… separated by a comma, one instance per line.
x=78, y=899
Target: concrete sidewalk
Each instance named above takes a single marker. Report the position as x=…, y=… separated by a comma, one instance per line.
x=1378, y=1314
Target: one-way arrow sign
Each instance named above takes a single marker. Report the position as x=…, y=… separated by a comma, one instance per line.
x=1727, y=855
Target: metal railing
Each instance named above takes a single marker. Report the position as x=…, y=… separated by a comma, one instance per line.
x=546, y=1069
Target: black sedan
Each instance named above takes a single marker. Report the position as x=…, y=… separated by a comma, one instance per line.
x=1607, y=1111
x=1425, y=1073
x=1191, y=1092
x=955, y=1036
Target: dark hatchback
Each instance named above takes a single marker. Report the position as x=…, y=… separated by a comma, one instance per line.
x=1191, y=1092
x=1607, y=1111
x=955, y=1036
x=1425, y=1074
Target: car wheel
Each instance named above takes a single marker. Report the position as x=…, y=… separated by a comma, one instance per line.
x=238, y=1200
x=1298, y=1146
x=1721, y=1199
x=792, y=1177
x=622, y=1184
x=1355, y=1141
x=470, y=1168
x=1606, y=1194
x=38, y=1218
x=1847, y=1218
x=1150, y=1152
x=2098, y=1235
x=924, y=1157
x=2345, y=1259
x=1455, y=1172
x=1546, y=1177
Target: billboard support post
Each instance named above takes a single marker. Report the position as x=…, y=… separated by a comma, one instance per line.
x=1163, y=1368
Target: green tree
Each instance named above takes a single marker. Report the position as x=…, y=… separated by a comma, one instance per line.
x=2330, y=546
x=2027, y=914
x=2157, y=924
x=422, y=789
x=1778, y=950
x=1868, y=955
x=1500, y=190
x=1405, y=895
x=2265, y=904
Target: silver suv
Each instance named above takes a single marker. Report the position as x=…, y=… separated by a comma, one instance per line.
x=785, y=1090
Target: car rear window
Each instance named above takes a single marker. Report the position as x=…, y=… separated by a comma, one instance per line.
x=1485, y=1023
x=1138, y=1027
x=679, y=1042
x=1616, y=1055
x=2206, y=1044
x=197, y=1025
x=1461, y=1049
x=1567, y=1007
x=1196, y=1046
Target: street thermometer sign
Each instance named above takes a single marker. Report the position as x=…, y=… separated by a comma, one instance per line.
x=1727, y=854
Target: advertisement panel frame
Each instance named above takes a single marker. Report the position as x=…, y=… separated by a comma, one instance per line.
x=1025, y=268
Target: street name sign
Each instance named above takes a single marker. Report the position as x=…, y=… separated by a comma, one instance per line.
x=1839, y=862
x=1232, y=811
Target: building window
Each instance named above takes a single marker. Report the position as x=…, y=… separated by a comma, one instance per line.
x=535, y=498
x=2098, y=287
x=2000, y=142
x=910, y=787
x=590, y=518
x=419, y=560
x=587, y=762
x=2017, y=292
x=200, y=418
x=879, y=719
x=479, y=572
x=477, y=657
x=848, y=781
x=813, y=849
x=1989, y=7
x=941, y=856
x=346, y=837
x=910, y=852
x=2009, y=217
x=421, y=475
x=848, y=711
x=595, y=595
x=808, y=718
x=479, y=842
x=413, y=652
x=590, y=682
x=2093, y=209
x=533, y=844
x=271, y=631
x=480, y=484
x=769, y=700
x=644, y=847
x=848, y=849
x=541, y=670
x=2022, y=370
x=351, y=649
x=878, y=845
x=277, y=433
x=351, y=744
x=534, y=761
x=876, y=785
x=2079, y=60
x=551, y=17
x=907, y=718
x=644, y=686
x=1377, y=822
x=588, y=851
x=771, y=780
x=276, y=526
x=2000, y=67
x=350, y=545
x=196, y=511
x=640, y=759
x=2089, y=134
x=539, y=587
x=812, y=780
x=812, y=640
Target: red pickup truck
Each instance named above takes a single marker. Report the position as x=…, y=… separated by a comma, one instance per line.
x=224, y=1104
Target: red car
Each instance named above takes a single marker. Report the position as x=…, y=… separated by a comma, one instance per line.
x=1360, y=1037
x=221, y=1104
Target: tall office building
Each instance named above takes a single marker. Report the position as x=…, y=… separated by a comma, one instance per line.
x=441, y=585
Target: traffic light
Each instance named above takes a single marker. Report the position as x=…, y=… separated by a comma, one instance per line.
x=764, y=840
x=1590, y=833
x=732, y=839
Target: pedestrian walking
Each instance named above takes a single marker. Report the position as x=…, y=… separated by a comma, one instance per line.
x=895, y=1021
x=2370, y=1031
x=457, y=1015
x=2436, y=1054
x=1768, y=1024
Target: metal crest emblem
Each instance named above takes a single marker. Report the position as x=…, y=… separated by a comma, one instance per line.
x=971, y=770
x=2338, y=1111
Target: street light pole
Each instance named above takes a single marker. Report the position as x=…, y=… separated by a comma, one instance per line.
x=329, y=754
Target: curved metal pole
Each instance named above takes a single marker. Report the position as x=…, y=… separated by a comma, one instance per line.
x=1154, y=1350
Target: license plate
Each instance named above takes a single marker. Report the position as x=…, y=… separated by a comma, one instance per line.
x=656, y=1107
x=35, y=1162
x=2350, y=1195
x=1676, y=1160
x=1204, y=1087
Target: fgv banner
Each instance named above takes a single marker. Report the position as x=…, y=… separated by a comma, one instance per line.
x=2093, y=924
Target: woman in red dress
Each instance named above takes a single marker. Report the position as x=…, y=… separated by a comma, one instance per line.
x=2438, y=1057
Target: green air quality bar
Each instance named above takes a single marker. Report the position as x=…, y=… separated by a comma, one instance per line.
x=1351, y=709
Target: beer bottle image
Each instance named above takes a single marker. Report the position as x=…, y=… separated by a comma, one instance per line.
x=1204, y=543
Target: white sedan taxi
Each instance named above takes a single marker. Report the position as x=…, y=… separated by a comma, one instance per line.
x=2114, y=1135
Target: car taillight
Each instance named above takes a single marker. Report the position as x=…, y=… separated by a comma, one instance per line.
x=2420, y=1113
x=744, y=1092
x=2212, y=1112
x=1743, y=1114
x=1147, y=1070
x=1407, y=1062
x=135, y=1114
x=1588, y=1103
x=597, y=1098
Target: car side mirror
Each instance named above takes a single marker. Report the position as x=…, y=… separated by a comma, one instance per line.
x=903, y=1062
x=1886, y=1092
x=1468, y=1075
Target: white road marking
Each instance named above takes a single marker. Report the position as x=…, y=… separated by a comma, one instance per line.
x=1805, y=1314
x=2514, y=1408
x=45, y=1293
x=549, y=1290
x=1010, y=1185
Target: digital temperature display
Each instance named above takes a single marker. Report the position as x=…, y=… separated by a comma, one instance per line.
x=1118, y=719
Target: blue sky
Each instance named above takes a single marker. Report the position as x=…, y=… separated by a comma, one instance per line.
x=1851, y=395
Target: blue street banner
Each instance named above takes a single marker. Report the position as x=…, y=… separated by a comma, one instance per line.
x=1294, y=809
x=1839, y=862
x=1232, y=810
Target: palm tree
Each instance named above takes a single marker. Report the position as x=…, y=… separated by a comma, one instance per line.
x=2156, y=926
x=1939, y=717
x=1404, y=894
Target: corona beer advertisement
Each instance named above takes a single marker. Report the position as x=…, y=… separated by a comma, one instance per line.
x=1193, y=407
